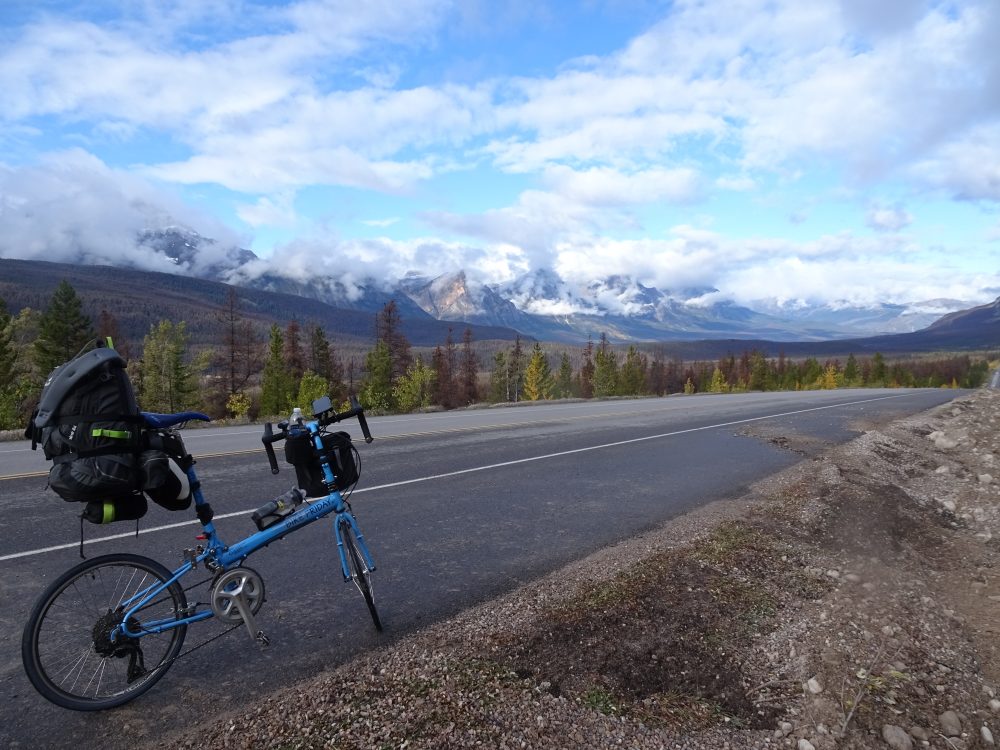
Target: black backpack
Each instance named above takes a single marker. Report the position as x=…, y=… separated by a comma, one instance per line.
x=89, y=425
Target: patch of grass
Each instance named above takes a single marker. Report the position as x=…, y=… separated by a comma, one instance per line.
x=601, y=699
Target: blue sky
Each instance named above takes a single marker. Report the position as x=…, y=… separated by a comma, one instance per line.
x=778, y=151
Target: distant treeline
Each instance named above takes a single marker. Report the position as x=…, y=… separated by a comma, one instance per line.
x=249, y=375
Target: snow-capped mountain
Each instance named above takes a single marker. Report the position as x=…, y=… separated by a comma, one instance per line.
x=540, y=304
x=187, y=249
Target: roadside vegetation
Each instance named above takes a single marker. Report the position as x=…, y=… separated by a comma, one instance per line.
x=250, y=373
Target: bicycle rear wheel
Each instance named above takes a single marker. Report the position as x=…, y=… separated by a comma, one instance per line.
x=66, y=647
x=359, y=570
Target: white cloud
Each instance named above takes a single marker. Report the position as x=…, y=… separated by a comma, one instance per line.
x=381, y=222
x=275, y=211
x=72, y=207
x=887, y=218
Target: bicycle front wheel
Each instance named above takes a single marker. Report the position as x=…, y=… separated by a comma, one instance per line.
x=67, y=649
x=359, y=570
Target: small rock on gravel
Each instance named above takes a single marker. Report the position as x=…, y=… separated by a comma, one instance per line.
x=987, y=735
x=951, y=726
x=919, y=733
x=805, y=744
x=896, y=737
x=814, y=686
x=995, y=706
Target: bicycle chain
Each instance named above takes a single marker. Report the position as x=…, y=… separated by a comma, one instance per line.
x=205, y=643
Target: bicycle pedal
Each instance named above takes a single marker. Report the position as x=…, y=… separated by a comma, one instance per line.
x=262, y=640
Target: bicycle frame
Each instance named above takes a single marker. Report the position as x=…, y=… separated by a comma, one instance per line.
x=218, y=556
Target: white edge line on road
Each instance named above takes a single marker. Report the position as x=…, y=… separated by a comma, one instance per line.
x=390, y=485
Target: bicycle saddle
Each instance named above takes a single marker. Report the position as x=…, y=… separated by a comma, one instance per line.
x=169, y=420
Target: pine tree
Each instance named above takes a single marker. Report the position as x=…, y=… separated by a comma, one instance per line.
x=169, y=380
x=63, y=330
x=537, y=375
x=515, y=367
x=376, y=394
x=500, y=378
x=563, y=385
x=851, y=373
x=325, y=363
x=587, y=371
x=605, y=369
x=295, y=357
x=274, y=389
x=879, y=370
x=387, y=329
x=632, y=379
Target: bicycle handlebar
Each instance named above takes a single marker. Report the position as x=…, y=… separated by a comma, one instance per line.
x=325, y=418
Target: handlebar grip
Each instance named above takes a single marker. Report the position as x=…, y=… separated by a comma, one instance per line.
x=356, y=406
x=267, y=440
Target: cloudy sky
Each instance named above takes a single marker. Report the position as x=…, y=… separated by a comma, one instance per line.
x=774, y=149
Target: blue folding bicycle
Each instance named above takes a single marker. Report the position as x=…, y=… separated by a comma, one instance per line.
x=107, y=630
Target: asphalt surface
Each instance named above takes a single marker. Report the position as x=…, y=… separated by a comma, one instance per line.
x=457, y=508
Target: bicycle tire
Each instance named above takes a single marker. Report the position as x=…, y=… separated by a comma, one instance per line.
x=67, y=631
x=360, y=574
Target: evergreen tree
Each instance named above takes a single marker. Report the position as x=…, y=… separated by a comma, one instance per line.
x=325, y=363
x=851, y=372
x=605, y=369
x=587, y=371
x=632, y=379
x=537, y=375
x=563, y=385
x=415, y=388
x=830, y=377
x=274, y=386
x=758, y=372
x=64, y=330
x=377, y=394
x=515, y=366
x=169, y=380
x=294, y=356
x=387, y=329
x=500, y=378
x=879, y=370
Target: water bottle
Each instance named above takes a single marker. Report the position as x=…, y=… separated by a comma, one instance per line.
x=274, y=511
x=296, y=417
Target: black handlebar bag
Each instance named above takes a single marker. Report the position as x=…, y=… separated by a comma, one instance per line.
x=340, y=453
x=88, y=424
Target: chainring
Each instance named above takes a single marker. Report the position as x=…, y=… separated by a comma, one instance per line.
x=238, y=581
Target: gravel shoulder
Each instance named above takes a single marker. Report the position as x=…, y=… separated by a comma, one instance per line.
x=852, y=601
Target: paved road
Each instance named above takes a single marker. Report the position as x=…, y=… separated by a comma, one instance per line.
x=458, y=508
